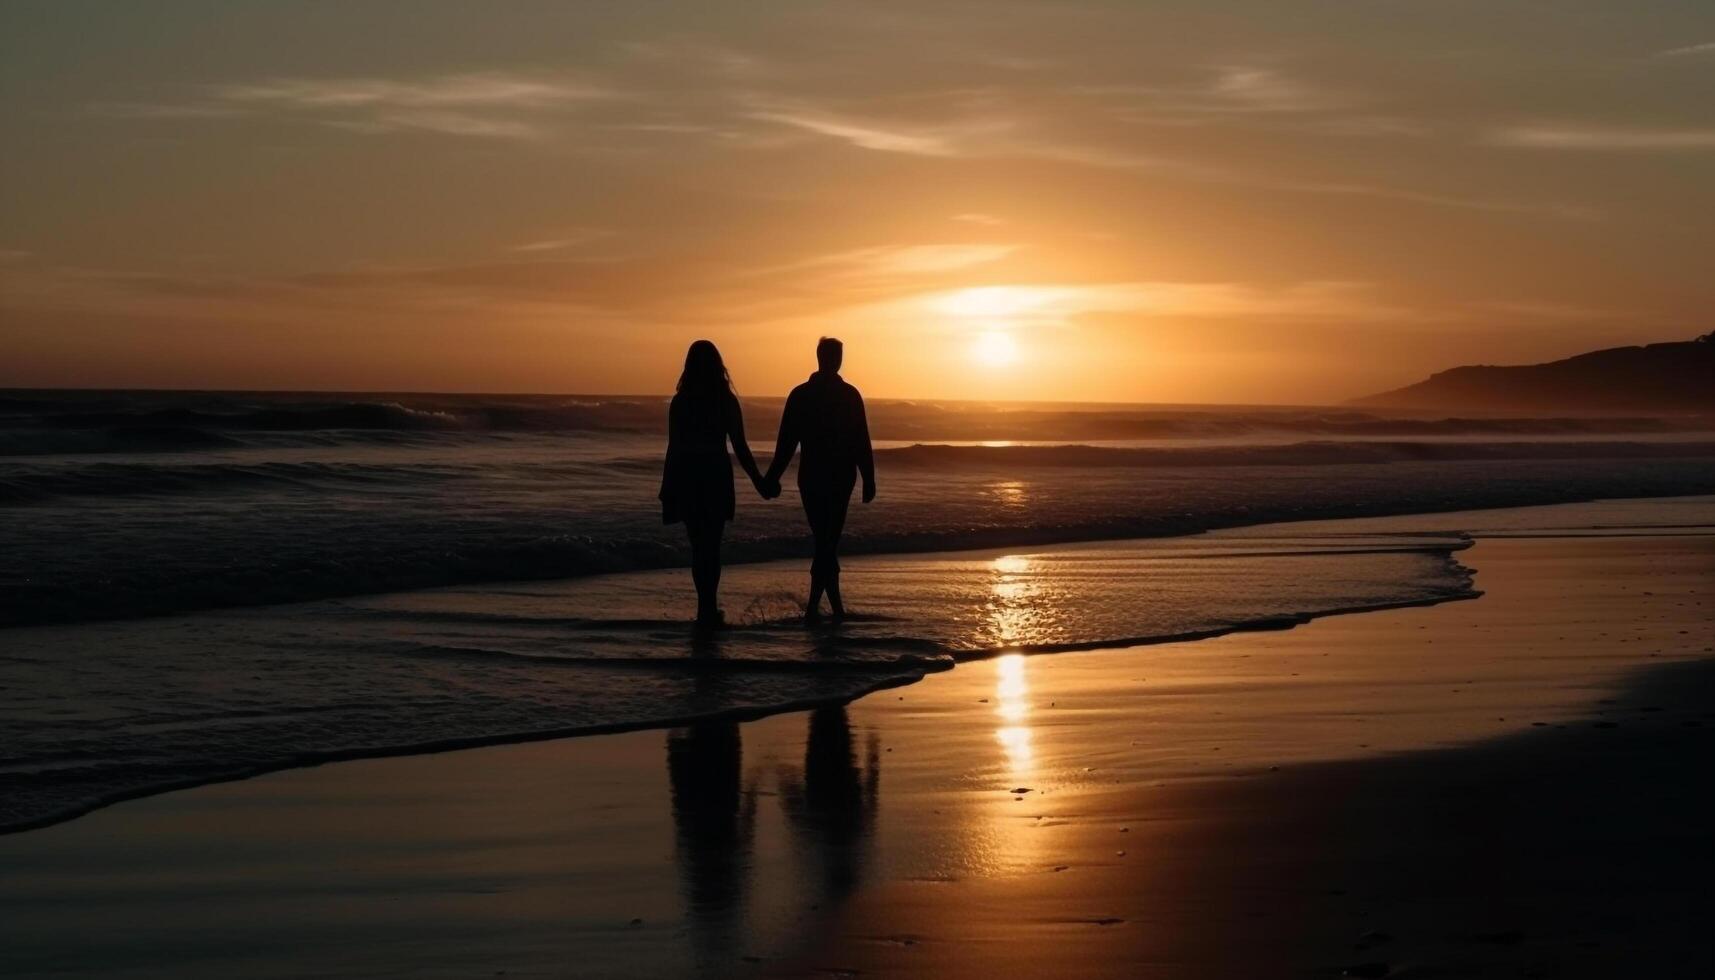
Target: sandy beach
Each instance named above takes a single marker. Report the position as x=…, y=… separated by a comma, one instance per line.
x=1514, y=785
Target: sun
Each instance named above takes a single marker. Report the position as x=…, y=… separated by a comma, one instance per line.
x=994, y=348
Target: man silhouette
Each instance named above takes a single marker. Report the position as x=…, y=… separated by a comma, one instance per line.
x=825, y=417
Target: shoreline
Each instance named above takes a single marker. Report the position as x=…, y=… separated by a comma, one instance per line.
x=902, y=544
x=942, y=660
x=834, y=849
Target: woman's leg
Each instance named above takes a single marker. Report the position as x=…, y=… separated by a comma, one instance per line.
x=705, y=537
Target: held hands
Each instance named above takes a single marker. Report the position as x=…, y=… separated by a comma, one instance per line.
x=769, y=488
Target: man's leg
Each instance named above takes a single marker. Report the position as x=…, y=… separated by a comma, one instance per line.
x=813, y=511
x=828, y=546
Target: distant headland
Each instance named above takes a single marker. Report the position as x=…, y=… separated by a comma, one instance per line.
x=1670, y=377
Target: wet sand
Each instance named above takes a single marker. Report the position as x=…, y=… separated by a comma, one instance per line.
x=1561, y=829
x=1515, y=785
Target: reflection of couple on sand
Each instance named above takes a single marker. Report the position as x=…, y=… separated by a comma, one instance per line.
x=824, y=423
x=829, y=805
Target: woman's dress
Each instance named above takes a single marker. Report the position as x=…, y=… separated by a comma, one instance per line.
x=696, y=483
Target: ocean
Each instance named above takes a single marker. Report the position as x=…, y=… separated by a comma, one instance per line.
x=201, y=586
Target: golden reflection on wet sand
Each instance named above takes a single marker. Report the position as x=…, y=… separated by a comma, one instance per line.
x=1007, y=617
x=1012, y=842
x=1012, y=705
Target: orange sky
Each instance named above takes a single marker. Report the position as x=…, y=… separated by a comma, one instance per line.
x=1172, y=201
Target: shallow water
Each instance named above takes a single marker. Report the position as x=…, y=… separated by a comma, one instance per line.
x=97, y=711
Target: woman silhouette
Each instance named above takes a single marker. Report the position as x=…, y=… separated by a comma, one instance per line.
x=696, y=484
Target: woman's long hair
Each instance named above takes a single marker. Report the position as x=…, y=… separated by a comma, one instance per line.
x=705, y=374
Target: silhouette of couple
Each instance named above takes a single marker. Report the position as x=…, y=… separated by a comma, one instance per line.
x=824, y=423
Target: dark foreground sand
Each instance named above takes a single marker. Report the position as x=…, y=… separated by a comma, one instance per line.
x=1517, y=785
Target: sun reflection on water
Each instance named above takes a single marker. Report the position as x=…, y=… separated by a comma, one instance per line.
x=1010, y=599
x=1008, y=493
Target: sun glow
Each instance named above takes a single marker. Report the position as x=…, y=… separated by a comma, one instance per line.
x=995, y=314
x=994, y=348
x=996, y=302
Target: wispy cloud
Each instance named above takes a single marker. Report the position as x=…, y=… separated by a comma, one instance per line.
x=1056, y=305
x=550, y=245
x=486, y=105
x=1550, y=209
x=1226, y=90
x=1269, y=90
x=573, y=239
x=955, y=134
x=1108, y=128
x=867, y=135
x=1611, y=138
x=892, y=261
x=1689, y=51
x=698, y=56
x=996, y=138
x=1225, y=299
x=490, y=89
x=445, y=123
x=1065, y=304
